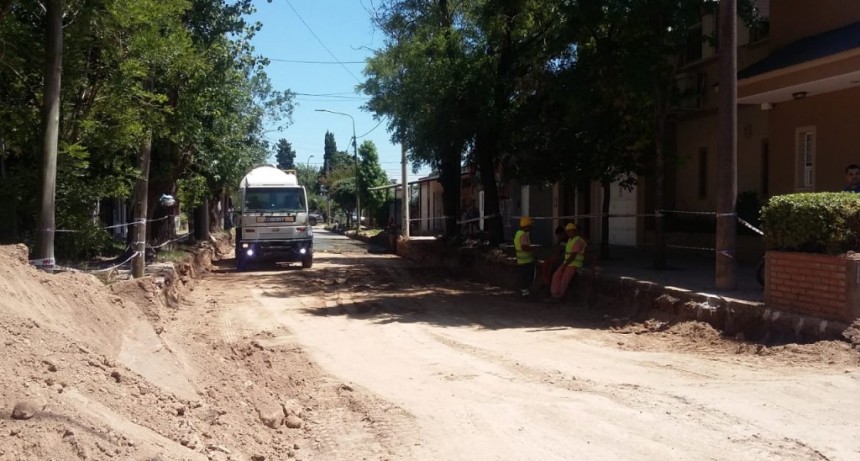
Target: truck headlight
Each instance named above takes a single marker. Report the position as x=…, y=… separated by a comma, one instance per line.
x=244, y=245
x=250, y=252
x=303, y=251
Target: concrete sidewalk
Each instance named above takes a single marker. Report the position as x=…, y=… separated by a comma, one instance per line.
x=686, y=269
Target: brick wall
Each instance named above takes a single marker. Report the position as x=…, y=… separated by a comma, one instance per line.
x=821, y=286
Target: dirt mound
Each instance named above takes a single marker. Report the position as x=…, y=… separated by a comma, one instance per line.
x=696, y=331
x=136, y=371
x=88, y=375
x=702, y=338
x=65, y=338
x=852, y=334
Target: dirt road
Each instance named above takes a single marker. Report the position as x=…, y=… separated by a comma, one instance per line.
x=419, y=366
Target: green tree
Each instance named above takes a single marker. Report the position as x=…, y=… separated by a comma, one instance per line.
x=285, y=155
x=371, y=174
x=428, y=101
x=182, y=70
x=309, y=177
x=454, y=76
x=329, y=150
x=340, y=183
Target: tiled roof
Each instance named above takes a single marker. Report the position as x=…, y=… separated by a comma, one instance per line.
x=807, y=49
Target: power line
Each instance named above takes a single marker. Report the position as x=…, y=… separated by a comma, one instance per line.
x=299, y=61
x=328, y=100
x=336, y=95
x=371, y=130
x=321, y=42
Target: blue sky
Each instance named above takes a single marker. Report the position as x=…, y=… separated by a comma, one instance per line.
x=344, y=33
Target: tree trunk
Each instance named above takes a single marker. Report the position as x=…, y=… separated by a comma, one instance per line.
x=51, y=128
x=604, y=221
x=215, y=215
x=486, y=152
x=449, y=176
x=659, y=222
x=141, y=191
x=201, y=221
x=727, y=179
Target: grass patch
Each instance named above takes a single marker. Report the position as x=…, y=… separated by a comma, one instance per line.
x=172, y=255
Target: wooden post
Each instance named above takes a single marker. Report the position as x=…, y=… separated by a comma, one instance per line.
x=141, y=192
x=404, y=184
x=51, y=131
x=727, y=158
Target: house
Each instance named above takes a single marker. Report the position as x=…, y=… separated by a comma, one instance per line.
x=798, y=104
x=430, y=219
x=798, y=109
x=550, y=204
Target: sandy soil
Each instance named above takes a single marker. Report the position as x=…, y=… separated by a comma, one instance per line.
x=367, y=357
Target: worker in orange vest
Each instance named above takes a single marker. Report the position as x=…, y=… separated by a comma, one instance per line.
x=574, y=257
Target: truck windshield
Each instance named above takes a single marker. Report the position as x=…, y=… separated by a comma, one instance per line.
x=275, y=199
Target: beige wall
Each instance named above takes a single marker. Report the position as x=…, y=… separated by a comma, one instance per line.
x=701, y=132
x=792, y=20
x=836, y=118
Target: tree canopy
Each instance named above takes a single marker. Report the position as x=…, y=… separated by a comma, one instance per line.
x=573, y=91
x=182, y=70
x=285, y=155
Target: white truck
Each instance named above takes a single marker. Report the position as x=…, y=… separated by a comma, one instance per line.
x=272, y=219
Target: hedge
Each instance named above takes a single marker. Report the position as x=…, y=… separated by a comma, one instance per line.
x=821, y=222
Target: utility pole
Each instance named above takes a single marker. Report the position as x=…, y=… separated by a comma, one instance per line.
x=727, y=158
x=51, y=132
x=404, y=185
x=141, y=192
x=357, y=181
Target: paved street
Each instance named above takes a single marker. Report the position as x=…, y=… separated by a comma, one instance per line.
x=331, y=242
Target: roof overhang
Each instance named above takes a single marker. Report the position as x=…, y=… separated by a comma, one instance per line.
x=825, y=75
x=822, y=63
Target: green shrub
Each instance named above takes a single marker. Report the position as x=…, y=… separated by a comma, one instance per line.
x=822, y=222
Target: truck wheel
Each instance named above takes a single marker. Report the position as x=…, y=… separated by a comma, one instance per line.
x=308, y=262
x=313, y=221
x=241, y=263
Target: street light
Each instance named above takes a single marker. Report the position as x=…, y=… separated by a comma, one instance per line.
x=308, y=163
x=355, y=152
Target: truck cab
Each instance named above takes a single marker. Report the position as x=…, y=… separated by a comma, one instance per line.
x=272, y=221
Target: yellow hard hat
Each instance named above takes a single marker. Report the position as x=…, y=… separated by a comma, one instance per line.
x=525, y=221
x=570, y=227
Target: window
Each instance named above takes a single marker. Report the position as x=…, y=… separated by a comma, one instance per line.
x=805, y=164
x=275, y=199
x=703, y=173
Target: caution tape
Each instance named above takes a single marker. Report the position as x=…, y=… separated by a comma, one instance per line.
x=94, y=271
x=750, y=226
x=184, y=236
x=115, y=226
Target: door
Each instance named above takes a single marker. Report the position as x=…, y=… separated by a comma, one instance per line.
x=622, y=231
